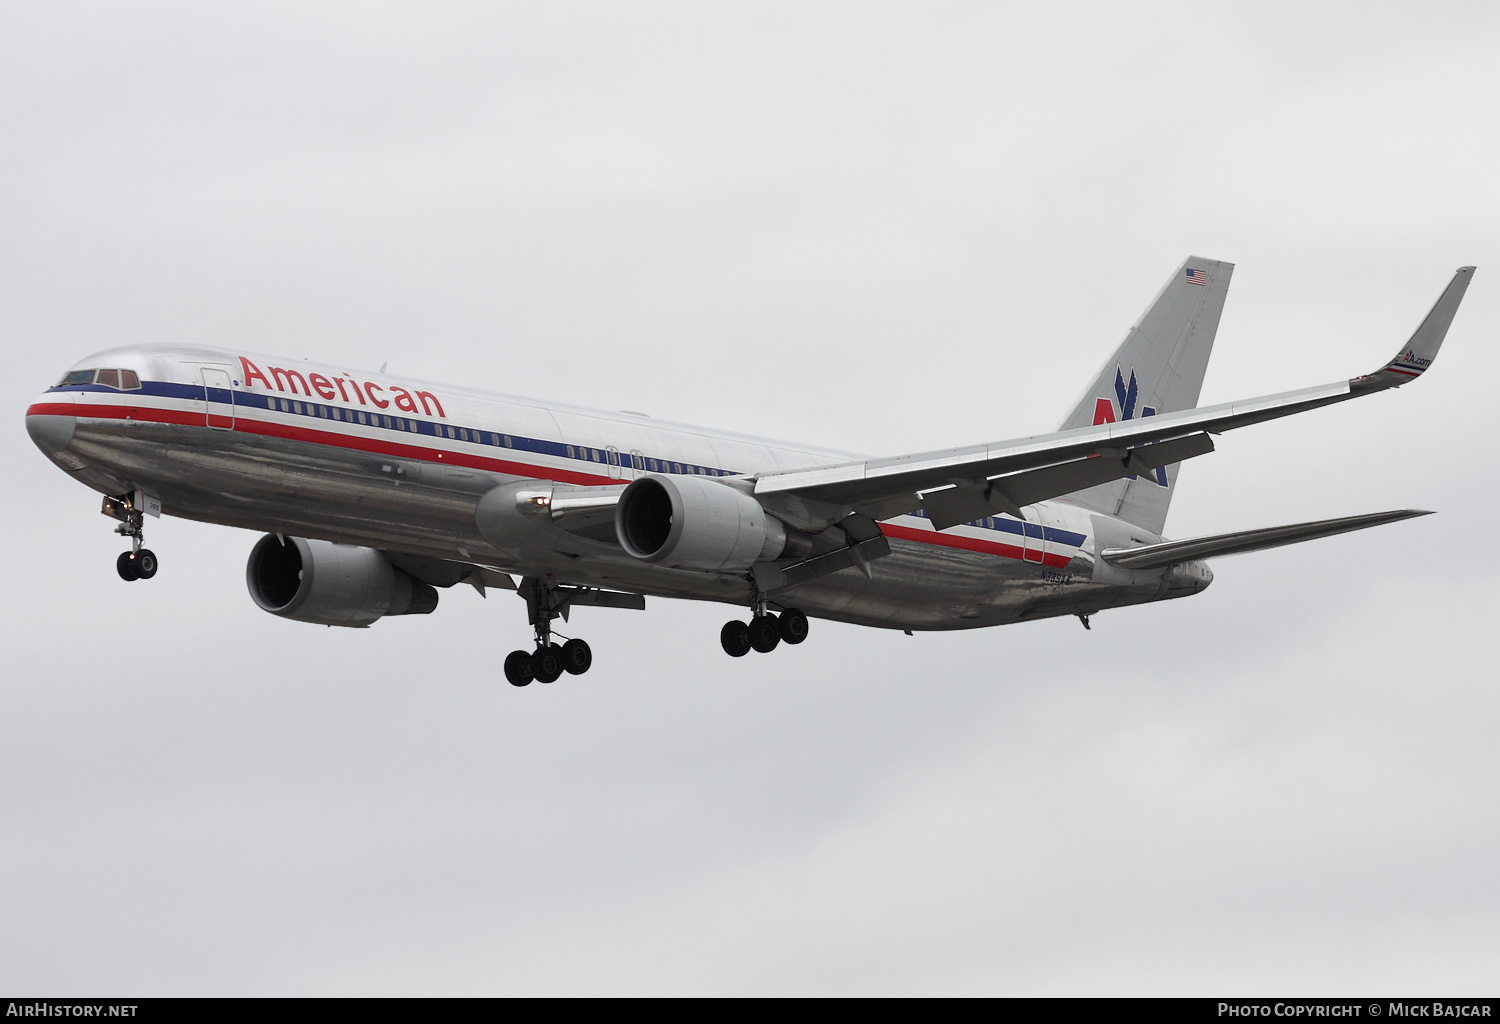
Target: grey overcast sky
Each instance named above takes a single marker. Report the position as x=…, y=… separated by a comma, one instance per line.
x=872, y=226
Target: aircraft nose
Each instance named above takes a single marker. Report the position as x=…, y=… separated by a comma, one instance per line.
x=50, y=425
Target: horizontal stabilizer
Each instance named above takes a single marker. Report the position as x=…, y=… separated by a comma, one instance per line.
x=1154, y=556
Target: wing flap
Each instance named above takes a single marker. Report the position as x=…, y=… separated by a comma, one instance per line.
x=1006, y=494
x=1155, y=556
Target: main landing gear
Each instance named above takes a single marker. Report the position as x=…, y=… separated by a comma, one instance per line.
x=139, y=563
x=764, y=632
x=550, y=660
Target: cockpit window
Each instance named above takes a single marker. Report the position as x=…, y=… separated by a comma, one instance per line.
x=120, y=380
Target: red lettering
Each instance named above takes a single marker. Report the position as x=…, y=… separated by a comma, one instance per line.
x=292, y=378
x=321, y=385
x=340, y=382
x=1104, y=411
x=370, y=389
x=252, y=372
x=357, y=392
x=403, y=399
x=424, y=396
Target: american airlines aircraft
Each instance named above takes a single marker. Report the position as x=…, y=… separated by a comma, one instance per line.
x=375, y=491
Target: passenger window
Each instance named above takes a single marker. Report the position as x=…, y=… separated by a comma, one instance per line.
x=386, y=422
x=362, y=418
x=508, y=442
x=284, y=406
x=129, y=381
x=413, y=425
x=109, y=378
x=463, y=435
x=297, y=408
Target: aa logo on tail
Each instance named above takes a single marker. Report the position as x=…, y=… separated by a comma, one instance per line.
x=1126, y=394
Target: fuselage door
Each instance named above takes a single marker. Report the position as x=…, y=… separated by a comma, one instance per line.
x=218, y=398
x=612, y=456
x=637, y=464
x=1033, y=543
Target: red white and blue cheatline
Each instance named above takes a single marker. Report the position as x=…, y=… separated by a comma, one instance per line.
x=1409, y=364
x=1196, y=276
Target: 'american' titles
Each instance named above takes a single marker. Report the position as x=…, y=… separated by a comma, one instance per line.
x=315, y=383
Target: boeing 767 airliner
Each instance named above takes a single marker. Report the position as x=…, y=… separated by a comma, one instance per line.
x=374, y=491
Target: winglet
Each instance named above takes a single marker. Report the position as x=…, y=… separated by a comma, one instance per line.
x=1418, y=353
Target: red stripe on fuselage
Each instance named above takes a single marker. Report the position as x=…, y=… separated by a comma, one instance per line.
x=986, y=547
x=142, y=413
x=355, y=442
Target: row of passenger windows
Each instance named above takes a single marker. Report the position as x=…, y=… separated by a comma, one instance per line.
x=603, y=457
x=640, y=462
x=333, y=412
x=120, y=380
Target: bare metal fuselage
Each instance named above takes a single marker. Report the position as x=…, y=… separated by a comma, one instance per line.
x=309, y=451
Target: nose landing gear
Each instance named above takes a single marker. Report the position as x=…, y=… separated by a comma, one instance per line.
x=139, y=563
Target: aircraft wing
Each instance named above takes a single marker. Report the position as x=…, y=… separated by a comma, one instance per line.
x=961, y=484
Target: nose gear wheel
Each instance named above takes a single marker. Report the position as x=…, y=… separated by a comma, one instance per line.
x=139, y=563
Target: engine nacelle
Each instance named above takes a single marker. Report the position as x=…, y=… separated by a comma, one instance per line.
x=331, y=584
x=689, y=522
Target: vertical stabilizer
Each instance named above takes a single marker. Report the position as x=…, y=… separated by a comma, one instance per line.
x=1158, y=368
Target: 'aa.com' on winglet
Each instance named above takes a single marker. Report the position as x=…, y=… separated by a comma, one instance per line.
x=1418, y=353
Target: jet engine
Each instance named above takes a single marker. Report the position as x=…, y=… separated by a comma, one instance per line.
x=331, y=584
x=687, y=522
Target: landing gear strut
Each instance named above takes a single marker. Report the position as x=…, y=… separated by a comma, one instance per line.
x=549, y=661
x=139, y=563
